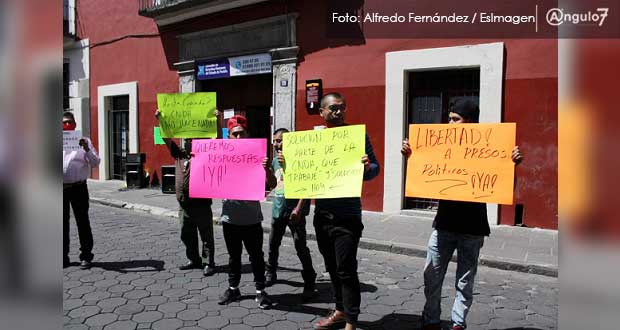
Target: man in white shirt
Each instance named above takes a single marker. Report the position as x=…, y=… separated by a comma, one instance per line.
x=76, y=167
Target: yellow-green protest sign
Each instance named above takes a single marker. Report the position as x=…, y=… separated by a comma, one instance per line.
x=324, y=163
x=187, y=115
x=464, y=162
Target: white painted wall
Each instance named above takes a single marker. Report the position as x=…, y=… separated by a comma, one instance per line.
x=104, y=105
x=78, y=55
x=488, y=57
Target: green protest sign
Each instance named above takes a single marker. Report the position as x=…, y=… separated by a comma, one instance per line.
x=187, y=115
x=157, y=136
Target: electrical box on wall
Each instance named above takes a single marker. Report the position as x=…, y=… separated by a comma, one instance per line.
x=314, y=93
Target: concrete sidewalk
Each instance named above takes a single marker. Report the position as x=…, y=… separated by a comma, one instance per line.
x=527, y=250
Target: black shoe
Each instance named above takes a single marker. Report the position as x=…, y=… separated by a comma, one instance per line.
x=229, y=296
x=263, y=300
x=85, y=264
x=191, y=265
x=209, y=270
x=309, y=291
x=270, y=278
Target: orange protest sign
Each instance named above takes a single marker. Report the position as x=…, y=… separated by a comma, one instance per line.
x=465, y=162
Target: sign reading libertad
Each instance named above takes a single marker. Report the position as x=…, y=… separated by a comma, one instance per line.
x=467, y=162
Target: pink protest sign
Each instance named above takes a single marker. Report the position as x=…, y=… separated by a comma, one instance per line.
x=228, y=169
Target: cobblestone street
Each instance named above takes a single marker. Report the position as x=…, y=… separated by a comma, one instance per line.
x=135, y=283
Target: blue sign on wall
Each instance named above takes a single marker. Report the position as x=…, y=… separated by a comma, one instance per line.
x=213, y=70
x=234, y=66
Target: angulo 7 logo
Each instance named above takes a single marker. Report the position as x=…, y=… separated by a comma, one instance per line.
x=557, y=16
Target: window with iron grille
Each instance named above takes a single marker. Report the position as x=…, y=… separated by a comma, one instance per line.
x=429, y=96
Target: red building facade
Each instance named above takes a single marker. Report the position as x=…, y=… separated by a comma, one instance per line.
x=139, y=49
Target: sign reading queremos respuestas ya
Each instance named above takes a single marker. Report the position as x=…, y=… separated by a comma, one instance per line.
x=234, y=66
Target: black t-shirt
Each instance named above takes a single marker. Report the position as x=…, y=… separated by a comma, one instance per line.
x=462, y=217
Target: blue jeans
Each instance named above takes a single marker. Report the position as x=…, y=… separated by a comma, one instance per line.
x=441, y=246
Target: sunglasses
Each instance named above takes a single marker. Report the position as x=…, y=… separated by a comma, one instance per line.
x=68, y=122
x=336, y=107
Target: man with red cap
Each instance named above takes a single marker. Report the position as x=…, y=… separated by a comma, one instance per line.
x=76, y=167
x=241, y=221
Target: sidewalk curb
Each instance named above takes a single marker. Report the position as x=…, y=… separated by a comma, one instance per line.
x=365, y=243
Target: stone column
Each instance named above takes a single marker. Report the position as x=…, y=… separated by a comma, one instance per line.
x=187, y=82
x=284, y=72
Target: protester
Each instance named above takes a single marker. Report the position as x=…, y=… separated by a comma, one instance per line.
x=289, y=213
x=76, y=167
x=459, y=226
x=195, y=214
x=338, y=227
x=241, y=222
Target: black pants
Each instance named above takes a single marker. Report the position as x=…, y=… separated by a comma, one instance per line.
x=298, y=230
x=252, y=237
x=77, y=197
x=338, y=239
x=197, y=218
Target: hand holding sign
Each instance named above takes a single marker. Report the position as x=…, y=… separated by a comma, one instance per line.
x=84, y=144
x=516, y=157
x=468, y=162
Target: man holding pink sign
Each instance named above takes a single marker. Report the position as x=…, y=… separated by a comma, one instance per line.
x=236, y=170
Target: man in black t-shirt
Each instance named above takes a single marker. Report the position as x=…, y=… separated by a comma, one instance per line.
x=338, y=228
x=459, y=226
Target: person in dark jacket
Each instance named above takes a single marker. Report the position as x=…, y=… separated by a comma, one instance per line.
x=338, y=227
x=195, y=214
x=459, y=226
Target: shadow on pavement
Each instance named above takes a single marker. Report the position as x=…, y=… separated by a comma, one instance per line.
x=292, y=302
x=288, y=269
x=132, y=266
x=393, y=321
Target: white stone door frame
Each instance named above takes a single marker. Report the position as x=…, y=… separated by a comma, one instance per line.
x=488, y=57
x=104, y=104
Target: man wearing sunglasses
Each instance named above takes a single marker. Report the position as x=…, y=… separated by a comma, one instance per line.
x=76, y=167
x=338, y=226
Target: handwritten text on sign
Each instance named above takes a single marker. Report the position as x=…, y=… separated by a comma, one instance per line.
x=187, y=115
x=324, y=163
x=71, y=140
x=466, y=162
x=228, y=169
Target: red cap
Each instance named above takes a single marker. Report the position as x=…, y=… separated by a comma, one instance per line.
x=237, y=120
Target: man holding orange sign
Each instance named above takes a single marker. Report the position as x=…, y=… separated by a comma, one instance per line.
x=459, y=225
